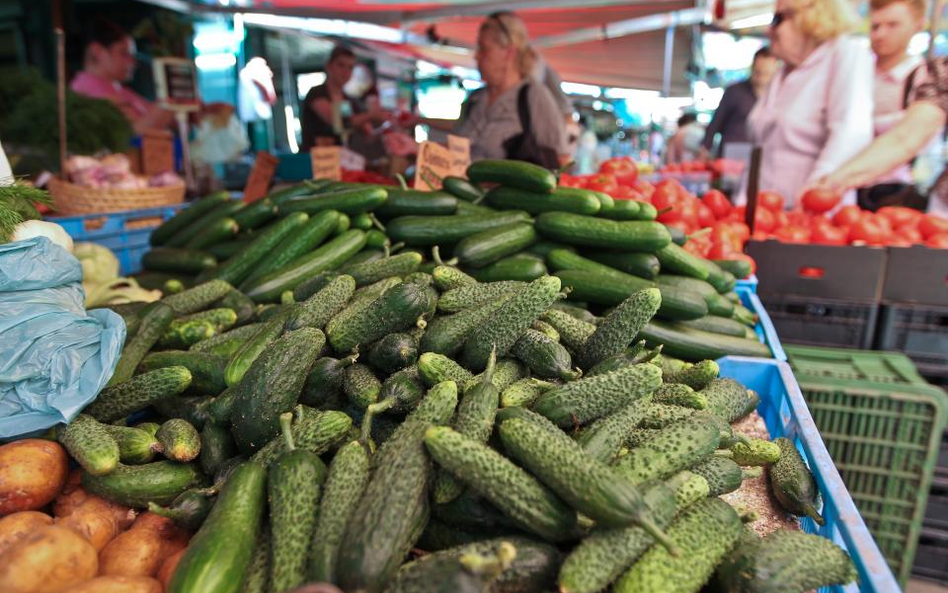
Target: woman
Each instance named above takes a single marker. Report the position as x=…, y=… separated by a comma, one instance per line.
x=511, y=117
x=817, y=111
x=328, y=115
x=924, y=118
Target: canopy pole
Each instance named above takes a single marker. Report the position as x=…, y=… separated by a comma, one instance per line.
x=937, y=8
x=669, y=57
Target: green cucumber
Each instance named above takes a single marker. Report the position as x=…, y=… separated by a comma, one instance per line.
x=717, y=325
x=692, y=344
x=545, y=357
x=174, y=260
x=546, y=329
x=302, y=239
x=472, y=512
x=698, y=376
x=722, y=474
x=362, y=221
x=269, y=287
x=755, y=452
x=180, y=221
x=348, y=201
x=559, y=200
x=324, y=381
x=460, y=187
x=236, y=269
x=135, y=446
x=722, y=281
x=641, y=264
x=405, y=202
x=258, y=573
x=740, y=268
x=220, y=230
x=318, y=309
x=218, y=557
x=226, y=344
x=186, y=334
x=212, y=218
x=91, y=445
x=507, y=372
x=314, y=430
x=727, y=399
x=198, y=298
x=487, y=247
x=447, y=230
x=220, y=318
x=362, y=299
x=371, y=272
x=305, y=188
x=793, y=484
x=587, y=231
x=217, y=446
x=676, y=260
x=469, y=208
x=634, y=354
x=207, y=370
x=435, y=368
x=603, y=439
x=239, y=303
x=448, y=277
x=663, y=415
x=228, y=249
x=623, y=210
x=619, y=329
x=256, y=345
x=543, y=247
x=522, y=267
x=255, y=214
x=519, y=174
x=676, y=394
x=313, y=285
x=155, y=319
x=472, y=295
x=397, y=309
x=401, y=392
x=361, y=386
x=180, y=441
x=393, y=353
x=135, y=486
x=118, y=401
x=375, y=239
x=573, y=332
x=588, y=399
x=676, y=447
x=189, y=509
x=524, y=392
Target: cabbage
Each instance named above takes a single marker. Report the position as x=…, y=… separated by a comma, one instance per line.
x=42, y=228
x=99, y=264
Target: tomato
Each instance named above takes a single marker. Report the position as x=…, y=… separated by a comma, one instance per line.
x=717, y=202
x=900, y=216
x=764, y=220
x=603, y=182
x=847, y=216
x=884, y=223
x=938, y=241
x=820, y=200
x=827, y=234
x=699, y=245
x=770, y=200
x=688, y=207
x=910, y=234
x=868, y=231
x=644, y=187
x=780, y=219
x=793, y=234
x=723, y=234
x=623, y=169
x=721, y=251
x=567, y=180
x=932, y=225
x=797, y=217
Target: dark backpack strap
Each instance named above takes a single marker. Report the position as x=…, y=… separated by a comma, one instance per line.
x=523, y=108
x=909, y=83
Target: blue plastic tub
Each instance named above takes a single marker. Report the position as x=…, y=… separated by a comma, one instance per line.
x=125, y=233
x=765, y=328
x=786, y=415
x=749, y=283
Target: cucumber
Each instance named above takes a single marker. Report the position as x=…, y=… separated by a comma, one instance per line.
x=728, y=399
x=324, y=381
x=740, y=268
x=405, y=202
x=187, y=334
x=180, y=441
x=704, y=533
x=512, y=490
x=717, y=325
x=188, y=510
x=170, y=259
x=698, y=376
x=155, y=319
x=228, y=249
x=722, y=474
x=220, y=318
x=348, y=201
x=218, y=557
x=361, y=386
x=295, y=243
x=619, y=329
x=720, y=305
x=692, y=344
x=676, y=447
x=198, y=298
x=522, y=267
x=135, y=486
x=313, y=285
x=663, y=415
x=118, y=401
x=397, y=309
x=559, y=200
x=207, y=370
x=744, y=315
x=318, y=309
x=722, y=281
x=602, y=556
x=362, y=299
x=314, y=430
x=502, y=330
x=675, y=260
x=468, y=208
x=255, y=214
x=545, y=357
x=573, y=332
x=637, y=263
x=217, y=446
x=634, y=354
x=689, y=488
x=192, y=409
x=294, y=481
x=258, y=573
x=588, y=399
x=587, y=231
x=401, y=392
x=755, y=452
x=236, y=269
x=371, y=272
x=244, y=357
x=239, y=303
x=524, y=392
x=469, y=573
x=603, y=439
x=486, y=247
x=393, y=353
x=675, y=394
x=623, y=210
x=448, y=277
x=186, y=216
x=508, y=371
x=519, y=174
x=362, y=221
x=135, y=446
x=471, y=512
x=348, y=475
x=271, y=386
x=447, y=230
x=91, y=445
x=462, y=188
x=305, y=188
x=269, y=287
x=543, y=247
x=393, y=510
x=436, y=368
x=223, y=229
x=793, y=484
x=472, y=295
x=546, y=329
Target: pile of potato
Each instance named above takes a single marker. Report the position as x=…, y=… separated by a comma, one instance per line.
x=56, y=538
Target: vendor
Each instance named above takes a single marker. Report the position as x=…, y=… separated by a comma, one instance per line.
x=512, y=116
x=108, y=63
x=328, y=115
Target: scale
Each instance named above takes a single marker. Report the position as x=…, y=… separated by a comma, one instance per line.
x=177, y=90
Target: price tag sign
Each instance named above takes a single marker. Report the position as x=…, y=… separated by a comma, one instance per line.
x=176, y=83
x=351, y=160
x=258, y=182
x=434, y=164
x=460, y=148
x=327, y=162
x=157, y=152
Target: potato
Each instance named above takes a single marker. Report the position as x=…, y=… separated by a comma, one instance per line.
x=32, y=473
x=15, y=527
x=173, y=538
x=98, y=520
x=72, y=495
x=116, y=584
x=167, y=567
x=47, y=561
x=135, y=553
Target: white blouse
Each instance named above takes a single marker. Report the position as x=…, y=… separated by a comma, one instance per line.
x=814, y=118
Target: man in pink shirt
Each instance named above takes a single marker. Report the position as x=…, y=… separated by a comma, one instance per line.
x=108, y=62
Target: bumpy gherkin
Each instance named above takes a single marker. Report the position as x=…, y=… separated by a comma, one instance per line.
x=677, y=447
x=756, y=452
x=792, y=483
x=620, y=327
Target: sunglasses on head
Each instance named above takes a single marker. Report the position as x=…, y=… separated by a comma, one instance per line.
x=497, y=18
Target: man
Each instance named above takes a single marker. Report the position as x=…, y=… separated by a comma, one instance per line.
x=893, y=24
x=730, y=119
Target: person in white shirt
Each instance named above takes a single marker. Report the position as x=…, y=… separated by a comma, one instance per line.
x=817, y=111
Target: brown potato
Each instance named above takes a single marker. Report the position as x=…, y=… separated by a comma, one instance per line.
x=32, y=473
x=173, y=537
x=15, y=527
x=167, y=567
x=135, y=553
x=117, y=584
x=47, y=561
x=98, y=520
x=72, y=495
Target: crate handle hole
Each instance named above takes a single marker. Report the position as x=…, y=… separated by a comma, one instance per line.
x=811, y=272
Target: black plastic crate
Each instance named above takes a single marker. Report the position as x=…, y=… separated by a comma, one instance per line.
x=918, y=331
x=822, y=322
x=942, y=464
x=916, y=275
x=931, y=558
x=936, y=513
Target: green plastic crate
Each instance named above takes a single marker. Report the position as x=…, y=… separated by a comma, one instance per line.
x=884, y=438
x=853, y=365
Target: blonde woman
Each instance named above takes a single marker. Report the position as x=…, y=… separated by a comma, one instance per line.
x=817, y=111
x=510, y=117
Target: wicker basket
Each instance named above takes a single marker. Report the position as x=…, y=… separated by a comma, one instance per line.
x=71, y=199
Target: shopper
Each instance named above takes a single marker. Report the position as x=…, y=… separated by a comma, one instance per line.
x=328, y=115
x=685, y=145
x=893, y=24
x=817, y=111
x=108, y=62
x=730, y=118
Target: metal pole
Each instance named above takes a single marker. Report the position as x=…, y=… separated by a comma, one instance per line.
x=937, y=9
x=753, y=188
x=669, y=58
x=61, y=95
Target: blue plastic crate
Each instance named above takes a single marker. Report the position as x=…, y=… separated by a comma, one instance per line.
x=786, y=415
x=749, y=283
x=765, y=328
x=125, y=233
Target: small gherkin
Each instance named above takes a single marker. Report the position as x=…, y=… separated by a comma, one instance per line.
x=756, y=452
x=792, y=483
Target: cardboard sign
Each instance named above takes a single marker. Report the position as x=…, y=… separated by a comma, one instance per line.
x=327, y=162
x=460, y=148
x=351, y=161
x=157, y=152
x=433, y=165
x=258, y=182
x=176, y=83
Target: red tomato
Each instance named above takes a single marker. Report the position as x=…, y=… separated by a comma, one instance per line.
x=793, y=234
x=623, y=168
x=723, y=234
x=741, y=230
x=910, y=234
x=780, y=219
x=624, y=192
x=932, y=225
x=764, y=220
x=603, y=182
x=718, y=203
x=938, y=241
x=820, y=200
x=847, y=216
x=705, y=216
x=689, y=212
x=797, y=217
x=721, y=251
x=644, y=187
x=884, y=223
x=900, y=216
x=567, y=180
x=868, y=231
x=827, y=234
x=770, y=200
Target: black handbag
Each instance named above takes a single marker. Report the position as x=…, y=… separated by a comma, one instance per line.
x=524, y=146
